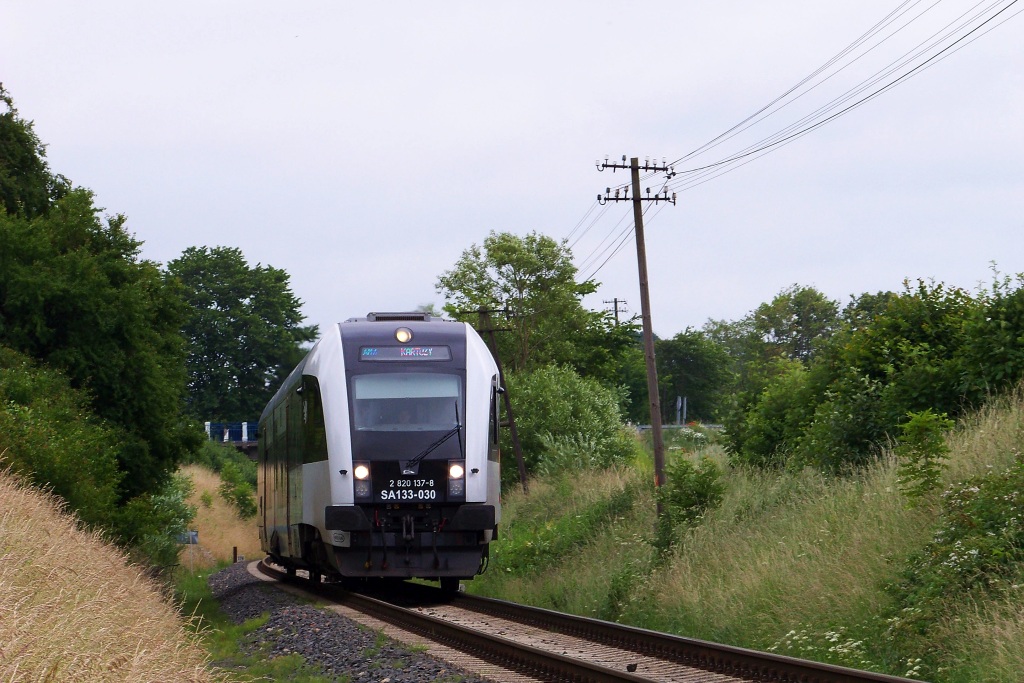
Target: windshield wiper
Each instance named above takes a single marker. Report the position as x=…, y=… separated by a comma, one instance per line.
x=457, y=429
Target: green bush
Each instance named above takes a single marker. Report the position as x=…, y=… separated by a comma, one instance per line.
x=771, y=427
x=564, y=420
x=689, y=492
x=152, y=524
x=977, y=549
x=902, y=353
x=214, y=455
x=49, y=435
x=993, y=359
x=922, y=451
x=237, y=490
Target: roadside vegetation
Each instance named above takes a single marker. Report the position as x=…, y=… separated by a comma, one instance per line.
x=842, y=569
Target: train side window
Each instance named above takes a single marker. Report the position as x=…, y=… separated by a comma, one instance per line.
x=296, y=444
x=314, y=428
x=280, y=423
x=268, y=432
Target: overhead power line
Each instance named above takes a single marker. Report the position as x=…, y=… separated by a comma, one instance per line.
x=977, y=20
x=936, y=47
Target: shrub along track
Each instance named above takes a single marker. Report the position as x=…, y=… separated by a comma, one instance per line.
x=543, y=645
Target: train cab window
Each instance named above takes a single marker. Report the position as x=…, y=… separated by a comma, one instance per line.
x=407, y=402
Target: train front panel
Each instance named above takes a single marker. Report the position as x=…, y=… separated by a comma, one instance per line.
x=415, y=488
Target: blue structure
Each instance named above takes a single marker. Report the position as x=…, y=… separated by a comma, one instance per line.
x=232, y=432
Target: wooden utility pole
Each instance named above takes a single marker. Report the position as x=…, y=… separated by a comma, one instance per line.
x=615, y=308
x=645, y=299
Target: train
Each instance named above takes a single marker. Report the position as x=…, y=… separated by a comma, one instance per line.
x=378, y=456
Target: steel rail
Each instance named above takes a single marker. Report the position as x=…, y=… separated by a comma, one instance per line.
x=726, y=660
x=715, y=657
x=523, y=659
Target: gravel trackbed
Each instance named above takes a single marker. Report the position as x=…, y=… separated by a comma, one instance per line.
x=341, y=648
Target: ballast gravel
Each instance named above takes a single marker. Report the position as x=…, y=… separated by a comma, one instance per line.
x=339, y=647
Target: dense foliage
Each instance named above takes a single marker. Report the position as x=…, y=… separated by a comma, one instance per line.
x=566, y=421
x=243, y=331
x=976, y=553
x=48, y=436
x=27, y=188
x=925, y=348
x=75, y=294
x=695, y=366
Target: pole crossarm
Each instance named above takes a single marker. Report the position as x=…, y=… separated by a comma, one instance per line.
x=621, y=194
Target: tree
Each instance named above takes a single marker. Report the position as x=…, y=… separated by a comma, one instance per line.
x=27, y=188
x=993, y=359
x=795, y=320
x=693, y=365
x=243, y=331
x=99, y=419
x=529, y=286
x=75, y=295
x=894, y=354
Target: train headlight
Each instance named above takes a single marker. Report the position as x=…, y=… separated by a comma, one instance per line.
x=456, y=479
x=403, y=335
x=362, y=489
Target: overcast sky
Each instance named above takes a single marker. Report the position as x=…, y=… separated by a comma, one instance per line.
x=363, y=146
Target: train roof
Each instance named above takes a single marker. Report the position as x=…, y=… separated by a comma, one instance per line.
x=394, y=317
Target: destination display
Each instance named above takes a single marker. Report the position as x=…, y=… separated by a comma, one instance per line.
x=404, y=353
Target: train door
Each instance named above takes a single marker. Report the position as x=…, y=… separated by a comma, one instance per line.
x=293, y=502
x=279, y=465
x=261, y=487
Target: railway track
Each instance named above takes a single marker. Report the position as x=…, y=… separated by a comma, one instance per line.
x=550, y=646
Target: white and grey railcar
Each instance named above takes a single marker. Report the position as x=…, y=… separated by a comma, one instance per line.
x=378, y=456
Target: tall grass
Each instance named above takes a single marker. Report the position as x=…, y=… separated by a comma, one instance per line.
x=787, y=553
x=221, y=530
x=795, y=562
x=74, y=609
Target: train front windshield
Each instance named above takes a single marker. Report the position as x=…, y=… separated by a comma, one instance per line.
x=406, y=402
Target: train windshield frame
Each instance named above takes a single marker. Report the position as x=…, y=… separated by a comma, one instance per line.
x=407, y=401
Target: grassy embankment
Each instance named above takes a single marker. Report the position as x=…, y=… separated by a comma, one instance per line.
x=796, y=563
x=220, y=529
x=73, y=608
